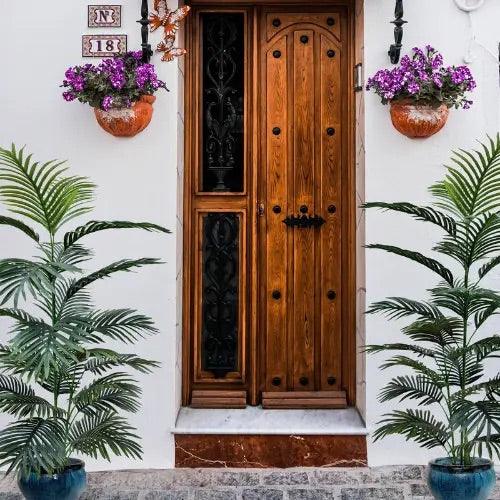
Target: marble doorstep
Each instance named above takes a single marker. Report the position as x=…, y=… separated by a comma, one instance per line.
x=255, y=420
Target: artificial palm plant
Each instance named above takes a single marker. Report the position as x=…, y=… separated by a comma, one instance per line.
x=457, y=404
x=58, y=377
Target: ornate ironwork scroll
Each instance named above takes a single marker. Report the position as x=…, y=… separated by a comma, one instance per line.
x=399, y=22
x=223, y=86
x=220, y=293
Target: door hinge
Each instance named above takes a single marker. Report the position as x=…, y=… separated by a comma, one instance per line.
x=358, y=78
x=260, y=209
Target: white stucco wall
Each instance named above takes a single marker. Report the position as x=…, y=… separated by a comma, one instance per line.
x=400, y=169
x=138, y=177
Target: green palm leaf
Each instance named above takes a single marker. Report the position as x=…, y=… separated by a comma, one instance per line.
x=429, y=263
x=103, y=435
x=19, y=399
x=32, y=445
x=125, y=265
x=412, y=387
x=101, y=360
x=9, y=221
x=41, y=192
x=93, y=226
x=427, y=214
x=414, y=348
x=20, y=276
x=109, y=394
x=125, y=325
x=400, y=307
x=417, y=425
x=472, y=185
x=490, y=265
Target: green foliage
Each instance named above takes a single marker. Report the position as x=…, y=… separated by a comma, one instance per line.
x=60, y=349
x=446, y=352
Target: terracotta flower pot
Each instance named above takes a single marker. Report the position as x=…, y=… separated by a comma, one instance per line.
x=127, y=122
x=418, y=120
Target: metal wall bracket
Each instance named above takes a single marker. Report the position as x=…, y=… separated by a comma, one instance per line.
x=147, y=52
x=399, y=22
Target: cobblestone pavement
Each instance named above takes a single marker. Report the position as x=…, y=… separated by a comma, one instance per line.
x=383, y=483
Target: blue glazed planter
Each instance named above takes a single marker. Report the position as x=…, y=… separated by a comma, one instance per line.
x=455, y=482
x=68, y=485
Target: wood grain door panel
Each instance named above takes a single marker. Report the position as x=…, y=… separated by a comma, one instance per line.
x=302, y=139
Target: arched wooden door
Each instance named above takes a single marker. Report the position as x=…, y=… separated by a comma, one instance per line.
x=269, y=207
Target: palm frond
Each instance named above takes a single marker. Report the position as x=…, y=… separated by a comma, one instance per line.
x=398, y=346
x=94, y=226
x=440, y=332
x=417, y=425
x=490, y=442
x=43, y=348
x=32, y=445
x=489, y=266
x=103, y=435
x=427, y=214
x=125, y=325
x=427, y=262
x=414, y=364
x=400, y=307
x=472, y=185
x=476, y=415
x=9, y=221
x=124, y=265
x=486, y=348
x=418, y=387
x=109, y=394
x=42, y=192
x=20, y=276
x=99, y=361
x=19, y=399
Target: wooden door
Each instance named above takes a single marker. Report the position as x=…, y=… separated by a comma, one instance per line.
x=301, y=245
x=268, y=207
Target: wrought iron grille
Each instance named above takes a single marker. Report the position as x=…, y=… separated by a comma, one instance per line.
x=223, y=101
x=220, y=293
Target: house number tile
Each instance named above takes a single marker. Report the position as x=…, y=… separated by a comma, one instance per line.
x=103, y=45
x=105, y=16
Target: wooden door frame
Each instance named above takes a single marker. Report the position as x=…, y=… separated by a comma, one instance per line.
x=254, y=364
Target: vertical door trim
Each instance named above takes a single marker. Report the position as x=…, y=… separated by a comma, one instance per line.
x=254, y=358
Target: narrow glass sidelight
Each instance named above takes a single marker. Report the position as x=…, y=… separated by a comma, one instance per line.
x=223, y=102
x=220, y=308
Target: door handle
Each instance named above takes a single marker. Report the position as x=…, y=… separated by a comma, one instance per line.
x=304, y=221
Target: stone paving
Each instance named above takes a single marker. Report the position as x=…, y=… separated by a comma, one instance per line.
x=383, y=483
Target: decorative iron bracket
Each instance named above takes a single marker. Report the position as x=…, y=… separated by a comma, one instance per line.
x=147, y=52
x=304, y=221
x=399, y=22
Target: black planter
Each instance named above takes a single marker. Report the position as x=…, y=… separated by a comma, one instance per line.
x=457, y=482
x=67, y=485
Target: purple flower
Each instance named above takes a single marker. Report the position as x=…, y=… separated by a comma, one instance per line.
x=69, y=96
x=107, y=102
x=438, y=81
x=413, y=88
x=422, y=76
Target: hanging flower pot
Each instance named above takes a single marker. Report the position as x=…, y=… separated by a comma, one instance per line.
x=119, y=89
x=127, y=122
x=418, y=120
x=421, y=90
